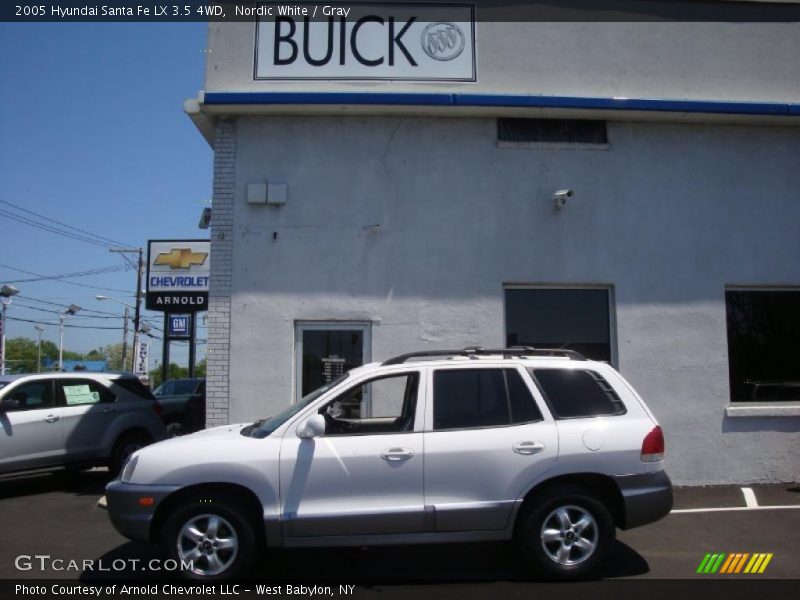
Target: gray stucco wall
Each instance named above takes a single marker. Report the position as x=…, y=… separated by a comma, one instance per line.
x=667, y=214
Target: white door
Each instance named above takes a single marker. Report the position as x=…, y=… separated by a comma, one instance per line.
x=365, y=475
x=31, y=433
x=486, y=440
x=88, y=410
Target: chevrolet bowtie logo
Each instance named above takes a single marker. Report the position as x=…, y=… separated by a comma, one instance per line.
x=181, y=258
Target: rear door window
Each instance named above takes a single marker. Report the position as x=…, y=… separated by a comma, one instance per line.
x=84, y=391
x=574, y=393
x=469, y=398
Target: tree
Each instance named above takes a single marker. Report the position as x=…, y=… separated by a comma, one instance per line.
x=22, y=354
x=175, y=372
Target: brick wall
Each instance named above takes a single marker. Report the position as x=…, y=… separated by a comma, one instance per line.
x=219, y=297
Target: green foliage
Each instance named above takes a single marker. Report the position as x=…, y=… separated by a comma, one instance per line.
x=175, y=372
x=22, y=354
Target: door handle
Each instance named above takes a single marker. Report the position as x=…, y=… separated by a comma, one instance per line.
x=397, y=454
x=51, y=418
x=528, y=447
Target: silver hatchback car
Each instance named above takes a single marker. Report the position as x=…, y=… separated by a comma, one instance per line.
x=74, y=420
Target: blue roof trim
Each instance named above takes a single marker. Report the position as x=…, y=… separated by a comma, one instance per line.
x=499, y=100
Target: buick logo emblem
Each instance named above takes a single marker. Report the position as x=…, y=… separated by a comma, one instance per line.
x=443, y=41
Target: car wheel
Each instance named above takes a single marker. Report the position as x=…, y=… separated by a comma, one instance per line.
x=565, y=532
x=213, y=536
x=127, y=444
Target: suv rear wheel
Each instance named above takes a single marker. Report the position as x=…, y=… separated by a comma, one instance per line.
x=126, y=444
x=213, y=534
x=564, y=532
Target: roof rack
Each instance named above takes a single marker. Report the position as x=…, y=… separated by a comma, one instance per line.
x=476, y=351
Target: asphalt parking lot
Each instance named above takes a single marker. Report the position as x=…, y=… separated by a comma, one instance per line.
x=57, y=515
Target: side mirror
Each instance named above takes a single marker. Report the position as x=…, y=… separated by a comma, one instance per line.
x=10, y=404
x=312, y=427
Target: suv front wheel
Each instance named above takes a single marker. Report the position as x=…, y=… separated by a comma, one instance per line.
x=210, y=538
x=564, y=532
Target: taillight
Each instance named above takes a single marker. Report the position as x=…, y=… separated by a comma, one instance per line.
x=159, y=410
x=653, y=445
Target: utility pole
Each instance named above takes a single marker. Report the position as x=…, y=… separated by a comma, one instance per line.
x=137, y=313
x=125, y=339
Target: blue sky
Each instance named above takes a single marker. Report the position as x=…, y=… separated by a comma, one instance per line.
x=94, y=136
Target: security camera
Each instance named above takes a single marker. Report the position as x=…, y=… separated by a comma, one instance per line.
x=560, y=199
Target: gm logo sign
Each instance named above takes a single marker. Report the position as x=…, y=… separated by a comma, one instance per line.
x=179, y=326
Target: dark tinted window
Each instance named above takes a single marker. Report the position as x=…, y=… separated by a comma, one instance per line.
x=576, y=393
x=135, y=386
x=572, y=131
x=32, y=396
x=763, y=330
x=568, y=318
x=481, y=398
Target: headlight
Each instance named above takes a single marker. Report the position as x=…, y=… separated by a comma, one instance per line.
x=127, y=470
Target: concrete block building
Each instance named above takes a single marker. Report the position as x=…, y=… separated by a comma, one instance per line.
x=395, y=181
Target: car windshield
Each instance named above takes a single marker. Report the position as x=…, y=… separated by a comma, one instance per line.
x=264, y=427
x=2, y=384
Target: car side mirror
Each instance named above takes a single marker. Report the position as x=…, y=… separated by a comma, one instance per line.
x=10, y=404
x=312, y=427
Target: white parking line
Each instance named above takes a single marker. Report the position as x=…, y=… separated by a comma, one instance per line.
x=733, y=508
x=749, y=497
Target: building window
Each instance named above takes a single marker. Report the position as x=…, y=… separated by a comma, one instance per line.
x=325, y=350
x=552, y=131
x=763, y=332
x=570, y=318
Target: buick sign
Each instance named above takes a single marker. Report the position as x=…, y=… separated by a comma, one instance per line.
x=443, y=41
x=372, y=41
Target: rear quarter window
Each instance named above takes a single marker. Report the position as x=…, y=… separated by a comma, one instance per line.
x=134, y=386
x=575, y=393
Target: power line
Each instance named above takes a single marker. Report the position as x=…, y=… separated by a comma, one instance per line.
x=85, y=285
x=90, y=272
x=56, y=312
x=108, y=241
x=62, y=304
x=65, y=324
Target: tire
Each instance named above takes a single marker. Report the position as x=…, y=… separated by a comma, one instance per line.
x=588, y=531
x=175, y=429
x=126, y=444
x=192, y=529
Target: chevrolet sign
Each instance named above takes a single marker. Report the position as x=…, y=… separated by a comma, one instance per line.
x=177, y=275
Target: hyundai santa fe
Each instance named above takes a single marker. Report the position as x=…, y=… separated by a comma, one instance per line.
x=542, y=447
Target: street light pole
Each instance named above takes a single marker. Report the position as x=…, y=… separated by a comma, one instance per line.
x=39, y=331
x=6, y=292
x=71, y=310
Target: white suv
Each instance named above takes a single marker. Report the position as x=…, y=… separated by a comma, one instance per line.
x=540, y=446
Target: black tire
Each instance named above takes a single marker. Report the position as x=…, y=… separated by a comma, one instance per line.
x=542, y=513
x=233, y=524
x=126, y=444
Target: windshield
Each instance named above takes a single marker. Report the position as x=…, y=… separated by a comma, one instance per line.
x=261, y=429
x=2, y=384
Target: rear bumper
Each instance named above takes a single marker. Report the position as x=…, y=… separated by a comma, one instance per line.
x=646, y=497
x=127, y=515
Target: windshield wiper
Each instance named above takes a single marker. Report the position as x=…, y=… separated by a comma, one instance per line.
x=253, y=426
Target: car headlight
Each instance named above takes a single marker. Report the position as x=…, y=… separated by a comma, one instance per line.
x=127, y=470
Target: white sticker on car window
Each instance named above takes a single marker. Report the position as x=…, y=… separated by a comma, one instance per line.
x=80, y=394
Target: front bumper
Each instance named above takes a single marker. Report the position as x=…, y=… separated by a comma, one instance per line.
x=130, y=517
x=646, y=497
